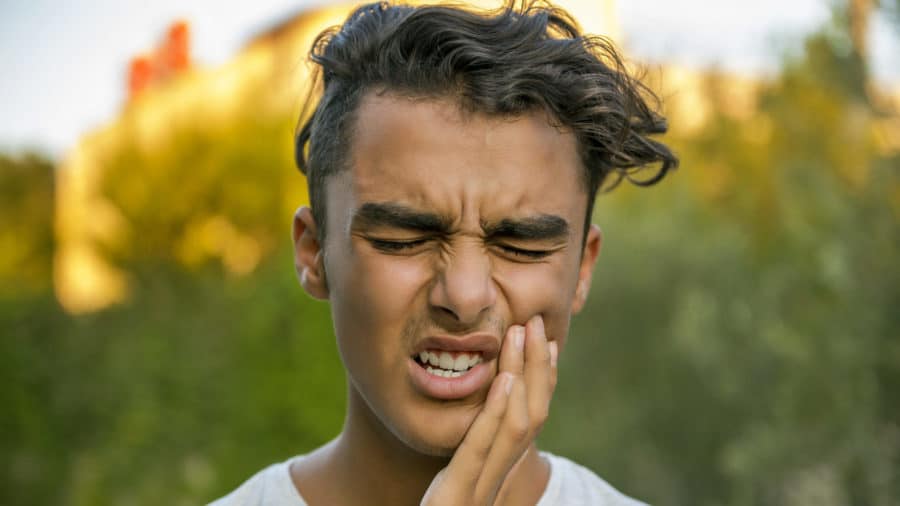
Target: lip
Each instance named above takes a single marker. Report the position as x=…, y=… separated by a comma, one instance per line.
x=438, y=387
x=473, y=380
x=486, y=344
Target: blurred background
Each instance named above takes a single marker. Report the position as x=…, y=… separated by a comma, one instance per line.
x=741, y=345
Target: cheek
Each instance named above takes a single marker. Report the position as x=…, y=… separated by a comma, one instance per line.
x=387, y=286
x=373, y=297
x=544, y=289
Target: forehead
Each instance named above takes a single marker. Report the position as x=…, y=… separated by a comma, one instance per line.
x=431, y=154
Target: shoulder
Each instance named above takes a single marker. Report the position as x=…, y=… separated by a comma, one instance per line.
x=270, y=487
x=574, y=485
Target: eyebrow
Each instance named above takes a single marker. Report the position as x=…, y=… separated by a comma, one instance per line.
x=391, y=215
x=541, y=227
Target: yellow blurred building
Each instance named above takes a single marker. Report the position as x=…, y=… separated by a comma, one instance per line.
x=85, y=221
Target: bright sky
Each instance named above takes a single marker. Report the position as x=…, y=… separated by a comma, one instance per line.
x=63, y=63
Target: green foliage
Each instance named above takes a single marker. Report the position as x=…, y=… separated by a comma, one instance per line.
x=26, y=224
x=170, y=399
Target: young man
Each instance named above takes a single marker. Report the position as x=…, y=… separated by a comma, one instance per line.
x=453, y=160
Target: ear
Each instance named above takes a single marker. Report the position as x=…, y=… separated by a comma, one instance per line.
x=588, y=259
x=308, y=254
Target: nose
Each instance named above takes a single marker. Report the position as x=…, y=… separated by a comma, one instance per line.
x=464, y=290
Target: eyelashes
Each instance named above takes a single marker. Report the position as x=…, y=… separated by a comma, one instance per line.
x=528, y=253
x=396, y=246
x=411, y=247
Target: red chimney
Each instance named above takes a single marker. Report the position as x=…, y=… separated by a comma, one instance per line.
x=170, y=58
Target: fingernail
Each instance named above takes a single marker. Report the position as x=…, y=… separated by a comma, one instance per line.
x=508, y=382
x=539, y=324
x=519, y=337
x=554, y=353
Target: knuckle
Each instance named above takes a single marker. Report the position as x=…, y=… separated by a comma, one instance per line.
x=519, y=427
x=519, y=432
x=481, y=452
x=544, y=359
x=539, y=415
x=545, y=351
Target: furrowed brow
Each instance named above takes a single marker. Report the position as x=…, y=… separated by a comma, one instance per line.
x=390, y=215
x=541, y=228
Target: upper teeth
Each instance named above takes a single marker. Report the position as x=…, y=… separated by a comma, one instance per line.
x=445, y=360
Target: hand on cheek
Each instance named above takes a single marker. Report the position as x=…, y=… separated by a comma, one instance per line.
x=514, y=412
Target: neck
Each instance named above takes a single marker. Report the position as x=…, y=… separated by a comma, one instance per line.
x=368, y=464
x=386, y=469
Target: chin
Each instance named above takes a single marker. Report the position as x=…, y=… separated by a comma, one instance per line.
x=431, y=450
x=438, y=434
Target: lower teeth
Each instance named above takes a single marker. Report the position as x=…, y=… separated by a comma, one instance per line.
x=445, y=373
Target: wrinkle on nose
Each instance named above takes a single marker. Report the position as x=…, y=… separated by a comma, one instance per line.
x=464, y=288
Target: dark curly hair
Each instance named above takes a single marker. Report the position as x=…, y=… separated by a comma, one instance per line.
x=507, y=62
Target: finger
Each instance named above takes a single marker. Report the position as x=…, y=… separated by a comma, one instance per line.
x=468, y=461
x=554, y=368
x=512, y=354
x=511, y=441
x=538, y=375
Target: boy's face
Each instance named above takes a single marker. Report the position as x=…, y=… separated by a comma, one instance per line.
x=445, y=225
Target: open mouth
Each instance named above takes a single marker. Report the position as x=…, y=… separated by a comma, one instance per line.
x=447, y=364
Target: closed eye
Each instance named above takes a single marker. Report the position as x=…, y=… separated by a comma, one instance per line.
x=390, y=246
x=525, y=253
x=396, y=246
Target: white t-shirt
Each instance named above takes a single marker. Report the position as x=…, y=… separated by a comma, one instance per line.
x=570, y=485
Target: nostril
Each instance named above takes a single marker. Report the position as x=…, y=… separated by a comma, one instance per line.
x=448, y=312
x=464, y=290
